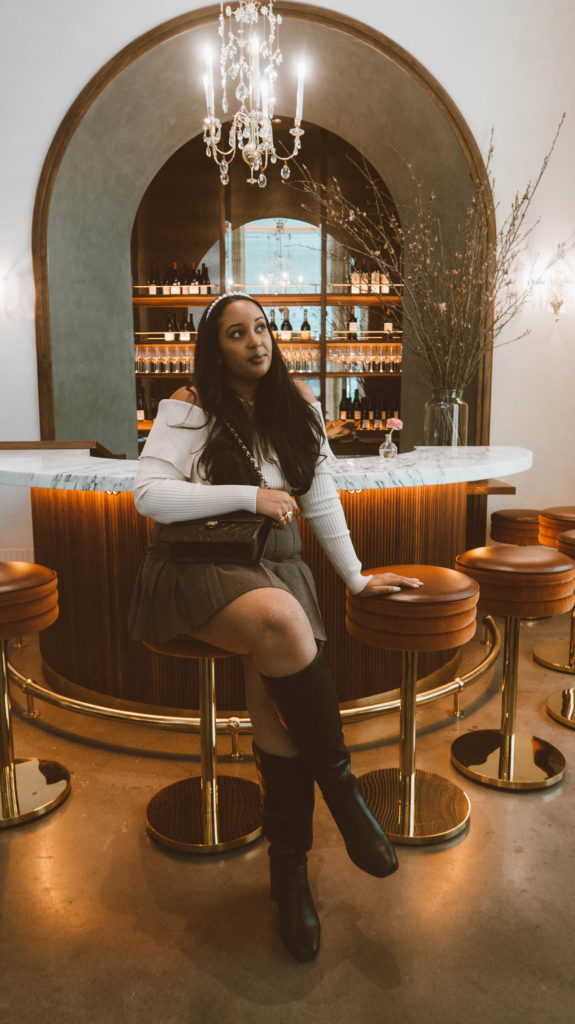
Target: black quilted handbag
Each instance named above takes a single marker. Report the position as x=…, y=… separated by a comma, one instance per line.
x=238, y=538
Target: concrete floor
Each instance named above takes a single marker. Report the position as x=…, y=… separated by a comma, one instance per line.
x=100, y=924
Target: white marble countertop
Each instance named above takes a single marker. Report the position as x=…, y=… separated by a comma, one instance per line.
x=76, y=470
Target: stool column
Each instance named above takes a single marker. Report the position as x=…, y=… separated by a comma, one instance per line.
x=407, y=742
x=8, y=794
x=208, y=751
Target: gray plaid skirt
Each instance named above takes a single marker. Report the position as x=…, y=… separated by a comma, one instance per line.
x=172, y=598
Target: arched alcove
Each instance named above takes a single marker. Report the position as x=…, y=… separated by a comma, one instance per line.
x=142, y=107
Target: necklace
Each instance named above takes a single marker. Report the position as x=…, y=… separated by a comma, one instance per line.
x=249, y=402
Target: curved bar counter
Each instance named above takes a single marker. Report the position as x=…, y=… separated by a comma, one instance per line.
x=411, y=509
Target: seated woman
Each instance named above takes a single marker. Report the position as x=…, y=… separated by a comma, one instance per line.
x=194, y=464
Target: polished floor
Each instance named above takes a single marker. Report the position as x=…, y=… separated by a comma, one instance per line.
x=100, y=924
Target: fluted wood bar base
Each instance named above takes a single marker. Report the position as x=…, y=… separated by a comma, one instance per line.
x=95, y=541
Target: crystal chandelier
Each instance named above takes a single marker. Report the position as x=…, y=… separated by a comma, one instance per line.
x=248, y=64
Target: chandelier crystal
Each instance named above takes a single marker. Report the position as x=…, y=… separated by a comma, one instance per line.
x=249, y=60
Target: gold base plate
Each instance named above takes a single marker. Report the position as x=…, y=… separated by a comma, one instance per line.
x=440, y=810
x=561, y=707
x=174, y=815
x=531, y=763
x=554, y=655
x=30, y=789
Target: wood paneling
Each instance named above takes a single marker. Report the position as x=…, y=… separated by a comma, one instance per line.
x=95, y=542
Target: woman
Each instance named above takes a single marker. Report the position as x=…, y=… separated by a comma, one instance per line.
x=193, y=466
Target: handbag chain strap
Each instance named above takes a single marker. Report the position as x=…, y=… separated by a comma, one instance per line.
x=247, y=453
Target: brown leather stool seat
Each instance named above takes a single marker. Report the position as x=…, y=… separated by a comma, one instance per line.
x=415, y=806
x=553, y=521
x=515, y=525
x=515, y=582
x=559, y=655
x=29, y=787
x=209, y=813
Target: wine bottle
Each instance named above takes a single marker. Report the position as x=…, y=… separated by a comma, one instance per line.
x=272, y=325
x=352, y=325
x=202, y=278
x=305, y=329
x=175, y=285
x=169, y=333
x=356, y=408
x=343, y=405
x=377, y=418
x=286, y=330
x=152, y=282
x=140, y=408
x=354, y=275
x=375, y=281
x=185, y=279
x=194, y=283
x=364, y=421
x=371, y=413
x=166, y=282
x=363, y=280
x=185, y=327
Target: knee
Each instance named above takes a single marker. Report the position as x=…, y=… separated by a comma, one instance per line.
x=282, y=621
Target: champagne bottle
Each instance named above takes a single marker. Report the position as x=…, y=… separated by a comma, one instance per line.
x=377, y=418
x=352, y=325
x=305, y=329
x=364, y=421
x=343, y=405
x=273, y=326
x=286, y=330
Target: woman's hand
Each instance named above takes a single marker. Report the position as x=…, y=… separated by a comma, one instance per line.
x=278, y=505
x=389, y=583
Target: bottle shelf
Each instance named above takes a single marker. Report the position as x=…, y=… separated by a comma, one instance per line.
x=283, y=299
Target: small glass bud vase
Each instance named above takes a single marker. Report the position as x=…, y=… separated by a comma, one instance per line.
x=388, y=448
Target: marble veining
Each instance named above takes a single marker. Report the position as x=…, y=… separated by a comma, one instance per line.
x=75, y=470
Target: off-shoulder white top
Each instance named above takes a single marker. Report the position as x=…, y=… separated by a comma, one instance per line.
x=169, y=486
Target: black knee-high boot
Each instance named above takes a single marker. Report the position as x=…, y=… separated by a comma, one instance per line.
x=287, y=790
x=307, y=705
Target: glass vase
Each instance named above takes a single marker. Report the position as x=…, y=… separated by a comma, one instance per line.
x=388, y=448
x=445, y=420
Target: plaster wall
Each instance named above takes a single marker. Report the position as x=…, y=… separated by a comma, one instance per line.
x=507, y=65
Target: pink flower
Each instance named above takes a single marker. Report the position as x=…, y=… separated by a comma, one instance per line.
x=393, y=424
x=442, y=306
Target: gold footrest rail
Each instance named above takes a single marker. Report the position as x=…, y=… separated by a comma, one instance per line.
x=234, y=725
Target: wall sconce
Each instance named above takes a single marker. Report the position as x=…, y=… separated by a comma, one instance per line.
x=555, y=289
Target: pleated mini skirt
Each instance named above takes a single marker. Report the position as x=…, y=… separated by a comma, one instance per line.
x=173, y=597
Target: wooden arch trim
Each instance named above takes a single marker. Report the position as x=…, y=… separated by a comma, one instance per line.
x=131, y=53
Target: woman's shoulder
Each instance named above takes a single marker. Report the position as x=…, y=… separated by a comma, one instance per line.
x=305, y=391
x=186, y=394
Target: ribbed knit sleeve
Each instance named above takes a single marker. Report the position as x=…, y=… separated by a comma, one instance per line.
x=168, y=486
x=322, y=508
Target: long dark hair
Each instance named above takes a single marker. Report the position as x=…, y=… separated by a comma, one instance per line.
x=284, y=422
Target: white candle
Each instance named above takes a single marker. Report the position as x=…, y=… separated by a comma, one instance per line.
x=264, y=92
x=256, y=72
x=209, y=82
x=299, y=102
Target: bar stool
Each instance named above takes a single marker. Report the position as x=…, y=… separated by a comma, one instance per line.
x=515, y=526
x=415, y=807
x=29, y=787
x=553, y=521
x=560, y=654
x=516, y=582
x=207, y=813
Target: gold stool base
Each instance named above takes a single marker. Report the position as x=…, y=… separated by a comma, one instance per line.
x=174, y=815
x=31, y=788
x=528, y=762
x=554, y=655
x=439, y=810
x=561, y=707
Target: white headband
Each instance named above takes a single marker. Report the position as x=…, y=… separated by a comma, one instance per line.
x=227, y=295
